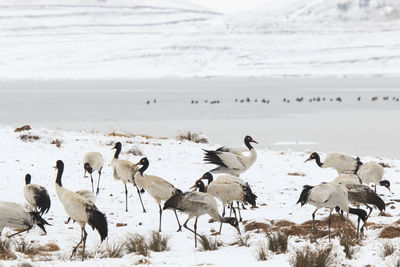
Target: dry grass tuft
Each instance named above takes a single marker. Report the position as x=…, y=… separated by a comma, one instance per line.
x=388, y=248
x=26, y=247
x=137, y=244
x=115, y=134
x=157, y=242
x=29, y=138
x=49, y=247
x=243, y=241
x=390, y=232
x=56, y=142
x=262, y=253
x=193, y=137
x=22, y=128
x=5, y=250
x=348, y=245
x=251, y=226
x=135, y=151
x=209, y=244
x=25, y=264
x=277, y=242
x=305, y=257
x=112, y=251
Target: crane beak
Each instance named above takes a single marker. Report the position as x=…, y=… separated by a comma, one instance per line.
x=238, y=229
x=193, y=187
x=55, y=167
x=307, y=160
x=254, y=141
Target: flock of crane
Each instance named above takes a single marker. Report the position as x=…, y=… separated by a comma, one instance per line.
x=228, y=187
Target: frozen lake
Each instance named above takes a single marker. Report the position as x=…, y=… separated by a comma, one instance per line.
x=362, y=127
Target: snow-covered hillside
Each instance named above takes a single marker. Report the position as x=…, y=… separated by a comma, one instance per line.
x=88, y=39
x=276, y=177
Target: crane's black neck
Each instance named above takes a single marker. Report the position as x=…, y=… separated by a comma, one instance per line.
x=318, y=160
x=117, y=151
x=27, y=179
x=144, y=166
x=60, y=170
x=247, y=143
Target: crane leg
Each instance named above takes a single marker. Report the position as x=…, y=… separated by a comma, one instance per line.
x=84, y=244
x=177, y=219
x=313, y=222
x=329, y=225
x=140, y=197
x=98, y=182
x=29, y=228
x=240, y=216
x=223, y=215
x=76, y=247
x=126, y=198
x=194, y=232
x=91, y=180
x=159, y=225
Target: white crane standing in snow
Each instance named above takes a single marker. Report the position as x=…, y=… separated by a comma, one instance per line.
x=227, y=192
x=36, y=196
x=232, y=160
x=330, y=196
x=340, y=162
x=157, y=187
x=124, y=171
x=93, y=161
x=80, y=210
x=196, y=204
x=372, y=172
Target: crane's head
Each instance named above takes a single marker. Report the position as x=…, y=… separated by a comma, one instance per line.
x=143, y=161
x=234, y=222
x=87, y=167
x=198, y=185
x=249, y=139
x=59, y=164
x=117, y=145
x=207, y=176
x=314, y=155
x=386, y=184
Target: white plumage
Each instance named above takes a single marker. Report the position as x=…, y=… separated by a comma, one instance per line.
x=36, y=196
x=372, y=172
x=157, y=187
x=80, y=210
x=16, y=216
x=231, y=160
x=340, y=162
x=93, y=161
x=89, y=195
x=124, y=171
x=345, y=179
x=329, y=196
x=196, y=204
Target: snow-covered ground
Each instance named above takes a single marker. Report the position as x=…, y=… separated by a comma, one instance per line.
x=89, y=39
x=181, y=164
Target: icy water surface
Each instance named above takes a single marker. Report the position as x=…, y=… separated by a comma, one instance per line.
x=224, y=110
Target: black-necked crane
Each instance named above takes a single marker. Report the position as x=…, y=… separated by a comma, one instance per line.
x=340, y=162
x=124, y=171
x=330, y=196
x=196, y=204
x=80, y=210
x=372, y=172
x=227, y=192
x=234, y=179
x=232, y=160
x=157, y=187
x=358, y=193
x=36, y=196
x=89, y=195
x=16, y=216
x=93, y=161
